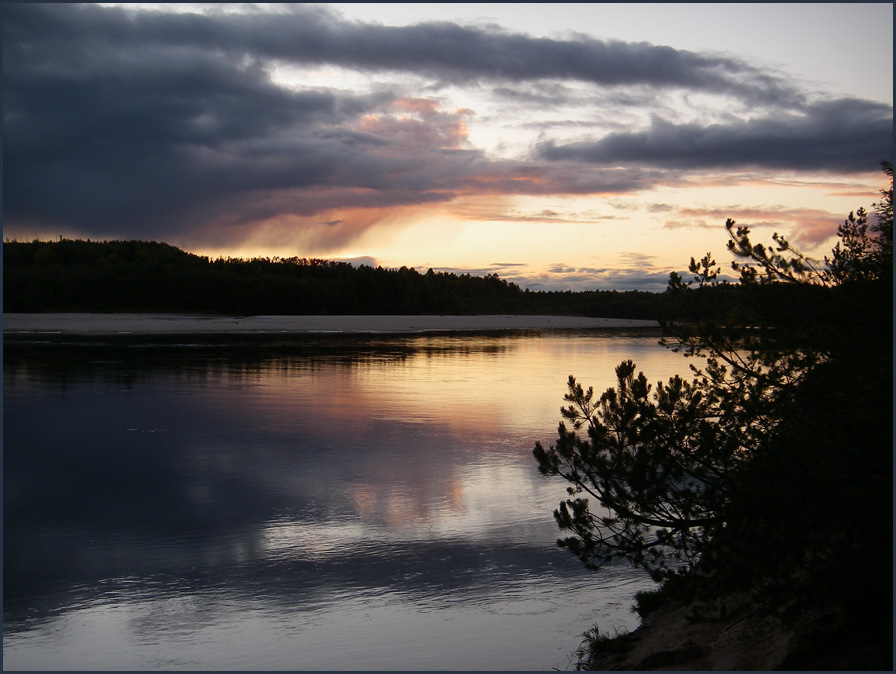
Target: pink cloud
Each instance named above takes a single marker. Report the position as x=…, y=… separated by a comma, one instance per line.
x=417, y=124
x=807, y=226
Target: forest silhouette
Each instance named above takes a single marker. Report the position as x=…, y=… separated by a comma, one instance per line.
x=148, y=276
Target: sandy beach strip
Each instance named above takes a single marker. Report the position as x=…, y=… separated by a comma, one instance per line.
x=104, y=324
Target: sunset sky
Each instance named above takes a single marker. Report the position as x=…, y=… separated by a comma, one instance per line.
x=560, y=146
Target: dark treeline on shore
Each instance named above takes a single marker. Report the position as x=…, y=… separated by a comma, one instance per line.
x=140, y=276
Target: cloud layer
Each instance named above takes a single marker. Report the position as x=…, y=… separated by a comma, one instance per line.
x=837, y=136
x=174, y=126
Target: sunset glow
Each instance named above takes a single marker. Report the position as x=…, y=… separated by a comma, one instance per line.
x=559, y=146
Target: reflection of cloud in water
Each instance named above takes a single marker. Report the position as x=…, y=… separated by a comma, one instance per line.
x=475, y=508
x=402, y=509
x=287, y=483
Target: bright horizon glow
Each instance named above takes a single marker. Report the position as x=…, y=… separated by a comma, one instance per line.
x=487, y=246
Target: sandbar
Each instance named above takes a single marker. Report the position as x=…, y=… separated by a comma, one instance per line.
x=132, y=323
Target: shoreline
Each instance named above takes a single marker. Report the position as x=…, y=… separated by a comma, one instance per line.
x=160, y=324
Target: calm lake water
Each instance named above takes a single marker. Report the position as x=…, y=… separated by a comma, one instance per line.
x=350, y=503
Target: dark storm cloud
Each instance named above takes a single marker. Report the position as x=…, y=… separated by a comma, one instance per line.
x=840, y=135
x=308, y=34
x=110, y=129
x=152, y=135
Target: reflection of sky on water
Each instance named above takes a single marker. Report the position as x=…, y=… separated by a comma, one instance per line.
x=203, y=500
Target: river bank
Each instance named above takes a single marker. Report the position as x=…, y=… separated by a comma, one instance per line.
x=132, y=323
x=740, y=636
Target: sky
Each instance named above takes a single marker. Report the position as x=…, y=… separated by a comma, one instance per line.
x=560, y=146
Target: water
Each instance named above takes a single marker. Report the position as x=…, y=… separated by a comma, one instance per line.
x=333, y=503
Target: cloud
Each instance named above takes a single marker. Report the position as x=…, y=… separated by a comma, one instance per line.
x=120, y=151
x=660, y=208
x=846, y=135
x=807, y=226
x=635, y=271
x=447, y=51
x=361, y=261
x=562, y=277
x=135, y=123
x=495, y=210
x=641, y=260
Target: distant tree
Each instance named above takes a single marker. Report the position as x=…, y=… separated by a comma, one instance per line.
x=771, y=468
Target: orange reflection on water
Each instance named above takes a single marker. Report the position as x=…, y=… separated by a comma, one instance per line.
x=459, y=400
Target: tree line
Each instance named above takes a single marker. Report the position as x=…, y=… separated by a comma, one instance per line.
x=149, y=276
